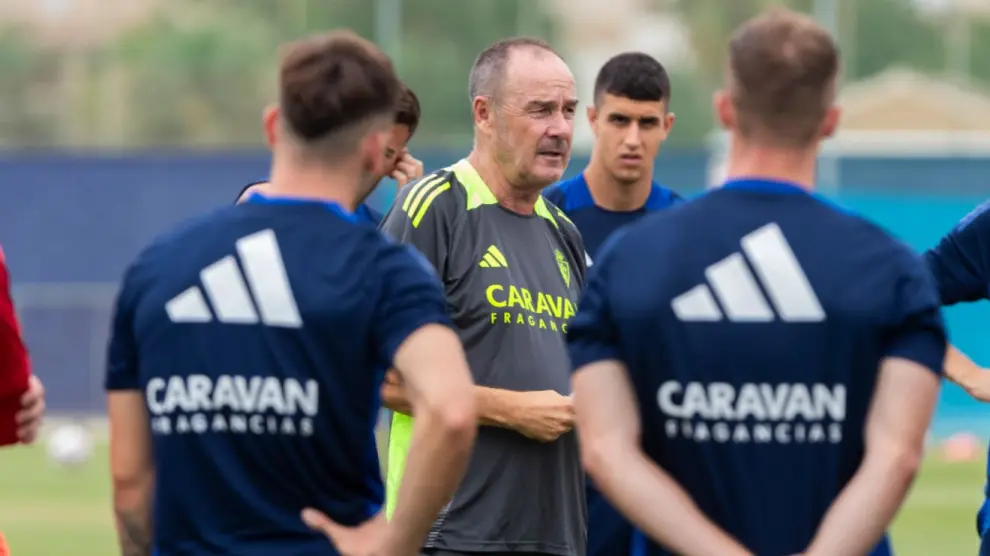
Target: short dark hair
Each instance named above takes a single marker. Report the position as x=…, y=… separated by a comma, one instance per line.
x=407, y=112
x=633, y=75
x=488, y=70
x=334, y=81
x=783, y=73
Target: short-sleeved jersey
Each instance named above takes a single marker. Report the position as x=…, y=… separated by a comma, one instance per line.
x=512, y=284
x=596, y=223
x=960, y=264
x=609, y=534
x=754, y=357
x=259, y=336
x=364, y=213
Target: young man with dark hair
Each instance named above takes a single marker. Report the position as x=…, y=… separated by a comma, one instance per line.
x=631, y=119
x=755, y=370
x=400, y=165
x=248, y=347
x=512, y=267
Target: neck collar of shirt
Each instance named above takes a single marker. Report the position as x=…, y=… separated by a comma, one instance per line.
x=762, y=185
x=259, y=199
x=655, y=201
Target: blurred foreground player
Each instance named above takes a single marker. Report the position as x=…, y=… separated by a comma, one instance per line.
x=630, y=120
x=961, y=266
x=249, y=347
x=22, y=397
x=783, y=355
x=400, y=165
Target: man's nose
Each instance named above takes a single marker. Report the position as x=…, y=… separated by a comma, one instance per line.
x=632, y=136
x=560, y=126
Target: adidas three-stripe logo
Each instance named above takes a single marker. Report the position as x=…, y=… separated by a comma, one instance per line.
x=738, y=292
x=421, y=195
x=493, y=258
x=227, y=288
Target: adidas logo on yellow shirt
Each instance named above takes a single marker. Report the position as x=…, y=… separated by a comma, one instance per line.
x=493, y=258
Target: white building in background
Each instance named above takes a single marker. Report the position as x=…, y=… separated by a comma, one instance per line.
x=592, y=31
x=892, y=115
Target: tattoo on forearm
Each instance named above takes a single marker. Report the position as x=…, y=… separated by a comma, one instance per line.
x=135, y=533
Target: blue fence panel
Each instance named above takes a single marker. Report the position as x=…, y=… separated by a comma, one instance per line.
x=70, y=224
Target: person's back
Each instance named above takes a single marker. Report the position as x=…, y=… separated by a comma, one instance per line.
x=252, y=402
x=756, y=362
x=249, y=347
x=785, y=355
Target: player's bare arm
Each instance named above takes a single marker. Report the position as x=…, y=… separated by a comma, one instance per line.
x=437, y=383
x=900, y=413
x=542, y=415
x=132, y=471
x=608, y=431
x=962, y=370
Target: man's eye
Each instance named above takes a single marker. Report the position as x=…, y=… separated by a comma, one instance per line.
x=389, y=153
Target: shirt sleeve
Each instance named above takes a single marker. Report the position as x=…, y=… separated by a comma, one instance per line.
x=122, y=352
x=917, y=332
x=421, y=217
x=411, y=298
x=592, y=335
x=15, y=368
x=960, y=263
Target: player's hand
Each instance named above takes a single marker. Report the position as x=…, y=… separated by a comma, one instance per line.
x=407, y=169
x=32, y=411
x=544, y=415
x=979, y=386
x=393, y=393
x=361, y=540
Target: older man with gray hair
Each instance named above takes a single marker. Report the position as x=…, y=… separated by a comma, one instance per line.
x=513, y=266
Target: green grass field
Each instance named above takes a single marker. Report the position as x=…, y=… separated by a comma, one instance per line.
x=45, y=511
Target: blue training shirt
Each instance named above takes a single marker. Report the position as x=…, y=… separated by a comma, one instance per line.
x=259, y=336
x=961, y=266
x=364, y=212
x=609, y=534
x=596, y=223
x=754, y=357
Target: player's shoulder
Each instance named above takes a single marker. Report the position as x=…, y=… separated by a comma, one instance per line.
x=862, y=233
x=437, y=193
x=662, y=197
x=976, y=221
x=159, y=253
x=569, y=194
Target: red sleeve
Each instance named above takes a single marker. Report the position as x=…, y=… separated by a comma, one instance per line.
x=15, y=368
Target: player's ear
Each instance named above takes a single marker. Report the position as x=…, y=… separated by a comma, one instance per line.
x=668, y=121
x=373, y=151
x=831, y=121
x=269, y=120
x=482, y=109
x=593, y=118
x=725, y=113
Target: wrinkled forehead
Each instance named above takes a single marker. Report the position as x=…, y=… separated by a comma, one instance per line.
x=537, y=74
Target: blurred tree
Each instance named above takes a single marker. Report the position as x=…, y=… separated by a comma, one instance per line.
x=873, y=35
x=884, y=33
x=443, y=39
x=27, y=78
x=197, y=75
